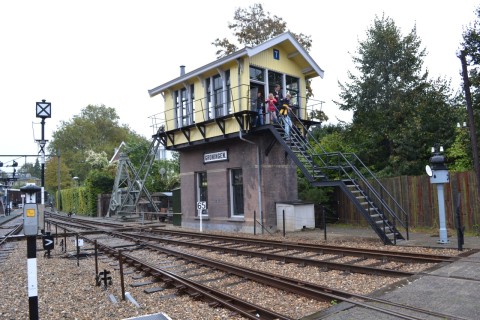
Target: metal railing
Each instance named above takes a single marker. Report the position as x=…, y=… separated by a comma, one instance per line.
x=205, y=109
x=345, y=166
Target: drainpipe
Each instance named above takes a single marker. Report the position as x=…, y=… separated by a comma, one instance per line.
x=239, y=62
x=259, y=178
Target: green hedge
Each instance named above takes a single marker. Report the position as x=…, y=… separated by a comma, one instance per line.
x=77, y=200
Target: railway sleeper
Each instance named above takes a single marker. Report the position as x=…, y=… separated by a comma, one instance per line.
x=214, y=304
x=180, y=287
x=195, y=294
x=153, y=290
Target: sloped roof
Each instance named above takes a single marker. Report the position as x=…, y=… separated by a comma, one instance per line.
x=286, y=40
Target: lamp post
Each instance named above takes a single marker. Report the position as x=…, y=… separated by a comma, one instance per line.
x=43, y=111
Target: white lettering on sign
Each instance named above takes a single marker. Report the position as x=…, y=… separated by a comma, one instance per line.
x=215, y=156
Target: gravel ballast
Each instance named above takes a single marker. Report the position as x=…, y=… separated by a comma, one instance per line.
x=68, y=291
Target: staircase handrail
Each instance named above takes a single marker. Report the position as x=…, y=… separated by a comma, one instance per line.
x=383, y=189
x=373, y=192
x=361, y=176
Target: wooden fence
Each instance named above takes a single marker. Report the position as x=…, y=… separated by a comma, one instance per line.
x=419, y=199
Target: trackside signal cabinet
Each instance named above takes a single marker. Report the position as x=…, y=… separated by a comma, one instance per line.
x=30, y=210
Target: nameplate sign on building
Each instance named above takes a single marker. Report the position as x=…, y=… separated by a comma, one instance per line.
x=215, y=156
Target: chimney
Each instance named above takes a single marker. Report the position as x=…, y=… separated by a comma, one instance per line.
x=182, y=70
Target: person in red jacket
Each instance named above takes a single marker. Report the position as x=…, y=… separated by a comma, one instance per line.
x=271, y=108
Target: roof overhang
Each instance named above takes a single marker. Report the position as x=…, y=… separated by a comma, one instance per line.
x=286, y=40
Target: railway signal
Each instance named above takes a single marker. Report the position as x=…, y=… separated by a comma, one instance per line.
x=30, y=229
x=438, y=174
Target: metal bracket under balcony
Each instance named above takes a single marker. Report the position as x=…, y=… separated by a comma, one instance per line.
x=186, y=133
x=202, y=129
x=245, y=118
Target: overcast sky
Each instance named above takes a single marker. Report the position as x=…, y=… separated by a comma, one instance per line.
x=76, y=53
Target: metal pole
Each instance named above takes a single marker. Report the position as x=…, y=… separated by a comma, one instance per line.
x=324, y=223
x=283, y=223
x=458, y=223
x=59, y=199
x=42, y=143
x=122, y=283
x=32, y=277
x=441, y=214
x=78, y=251
x=96, y=257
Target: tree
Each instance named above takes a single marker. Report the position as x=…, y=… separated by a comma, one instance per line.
x=51, y=175
x=398, y=113
x=254, y=26
x=33, y=169
x=95, y=129
x=470, y=56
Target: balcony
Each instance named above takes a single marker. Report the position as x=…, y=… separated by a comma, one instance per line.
x=219, y=117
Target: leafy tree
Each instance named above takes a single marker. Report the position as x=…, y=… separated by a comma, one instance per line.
x=252, y=27
x=51, y=175
x=34, y=170
x=470, y=46
x=398, y=113
x=95, y=129
x=97, y=160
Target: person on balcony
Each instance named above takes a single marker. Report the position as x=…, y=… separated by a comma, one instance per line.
x=277, y=94
x=260, y=109
x=272, y=109
x=285, y=112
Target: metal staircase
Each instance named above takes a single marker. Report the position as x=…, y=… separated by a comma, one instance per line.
x=346, y=171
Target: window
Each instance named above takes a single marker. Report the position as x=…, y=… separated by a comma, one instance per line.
x=293, y=87
x=273, y=79
x=209, y=98
x=257, y=74
x=202, y=194
x=217, y=89
x=227, y=92
x=236, y=192
x=184, y=106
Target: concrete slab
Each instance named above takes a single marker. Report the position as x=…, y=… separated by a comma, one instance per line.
x=460, y=269
x=458, y=297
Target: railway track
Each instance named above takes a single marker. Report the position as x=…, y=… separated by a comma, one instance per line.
x=140, y=244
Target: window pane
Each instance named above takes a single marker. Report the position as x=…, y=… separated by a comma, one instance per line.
x=218, y=96
x=256, y=74
x=273, y=79
x=237, y=191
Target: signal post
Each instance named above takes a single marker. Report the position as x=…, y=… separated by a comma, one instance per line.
x=30, y=229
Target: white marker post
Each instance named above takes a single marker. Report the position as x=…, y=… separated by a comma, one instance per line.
x=201, y=205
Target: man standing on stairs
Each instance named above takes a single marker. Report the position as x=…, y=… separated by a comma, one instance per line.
x=285, y=112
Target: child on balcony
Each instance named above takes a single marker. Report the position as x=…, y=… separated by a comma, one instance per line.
x=272, y=110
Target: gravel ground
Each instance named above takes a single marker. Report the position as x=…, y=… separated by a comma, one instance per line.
x=67, y=291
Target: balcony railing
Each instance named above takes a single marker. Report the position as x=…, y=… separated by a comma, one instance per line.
x=222, y=104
